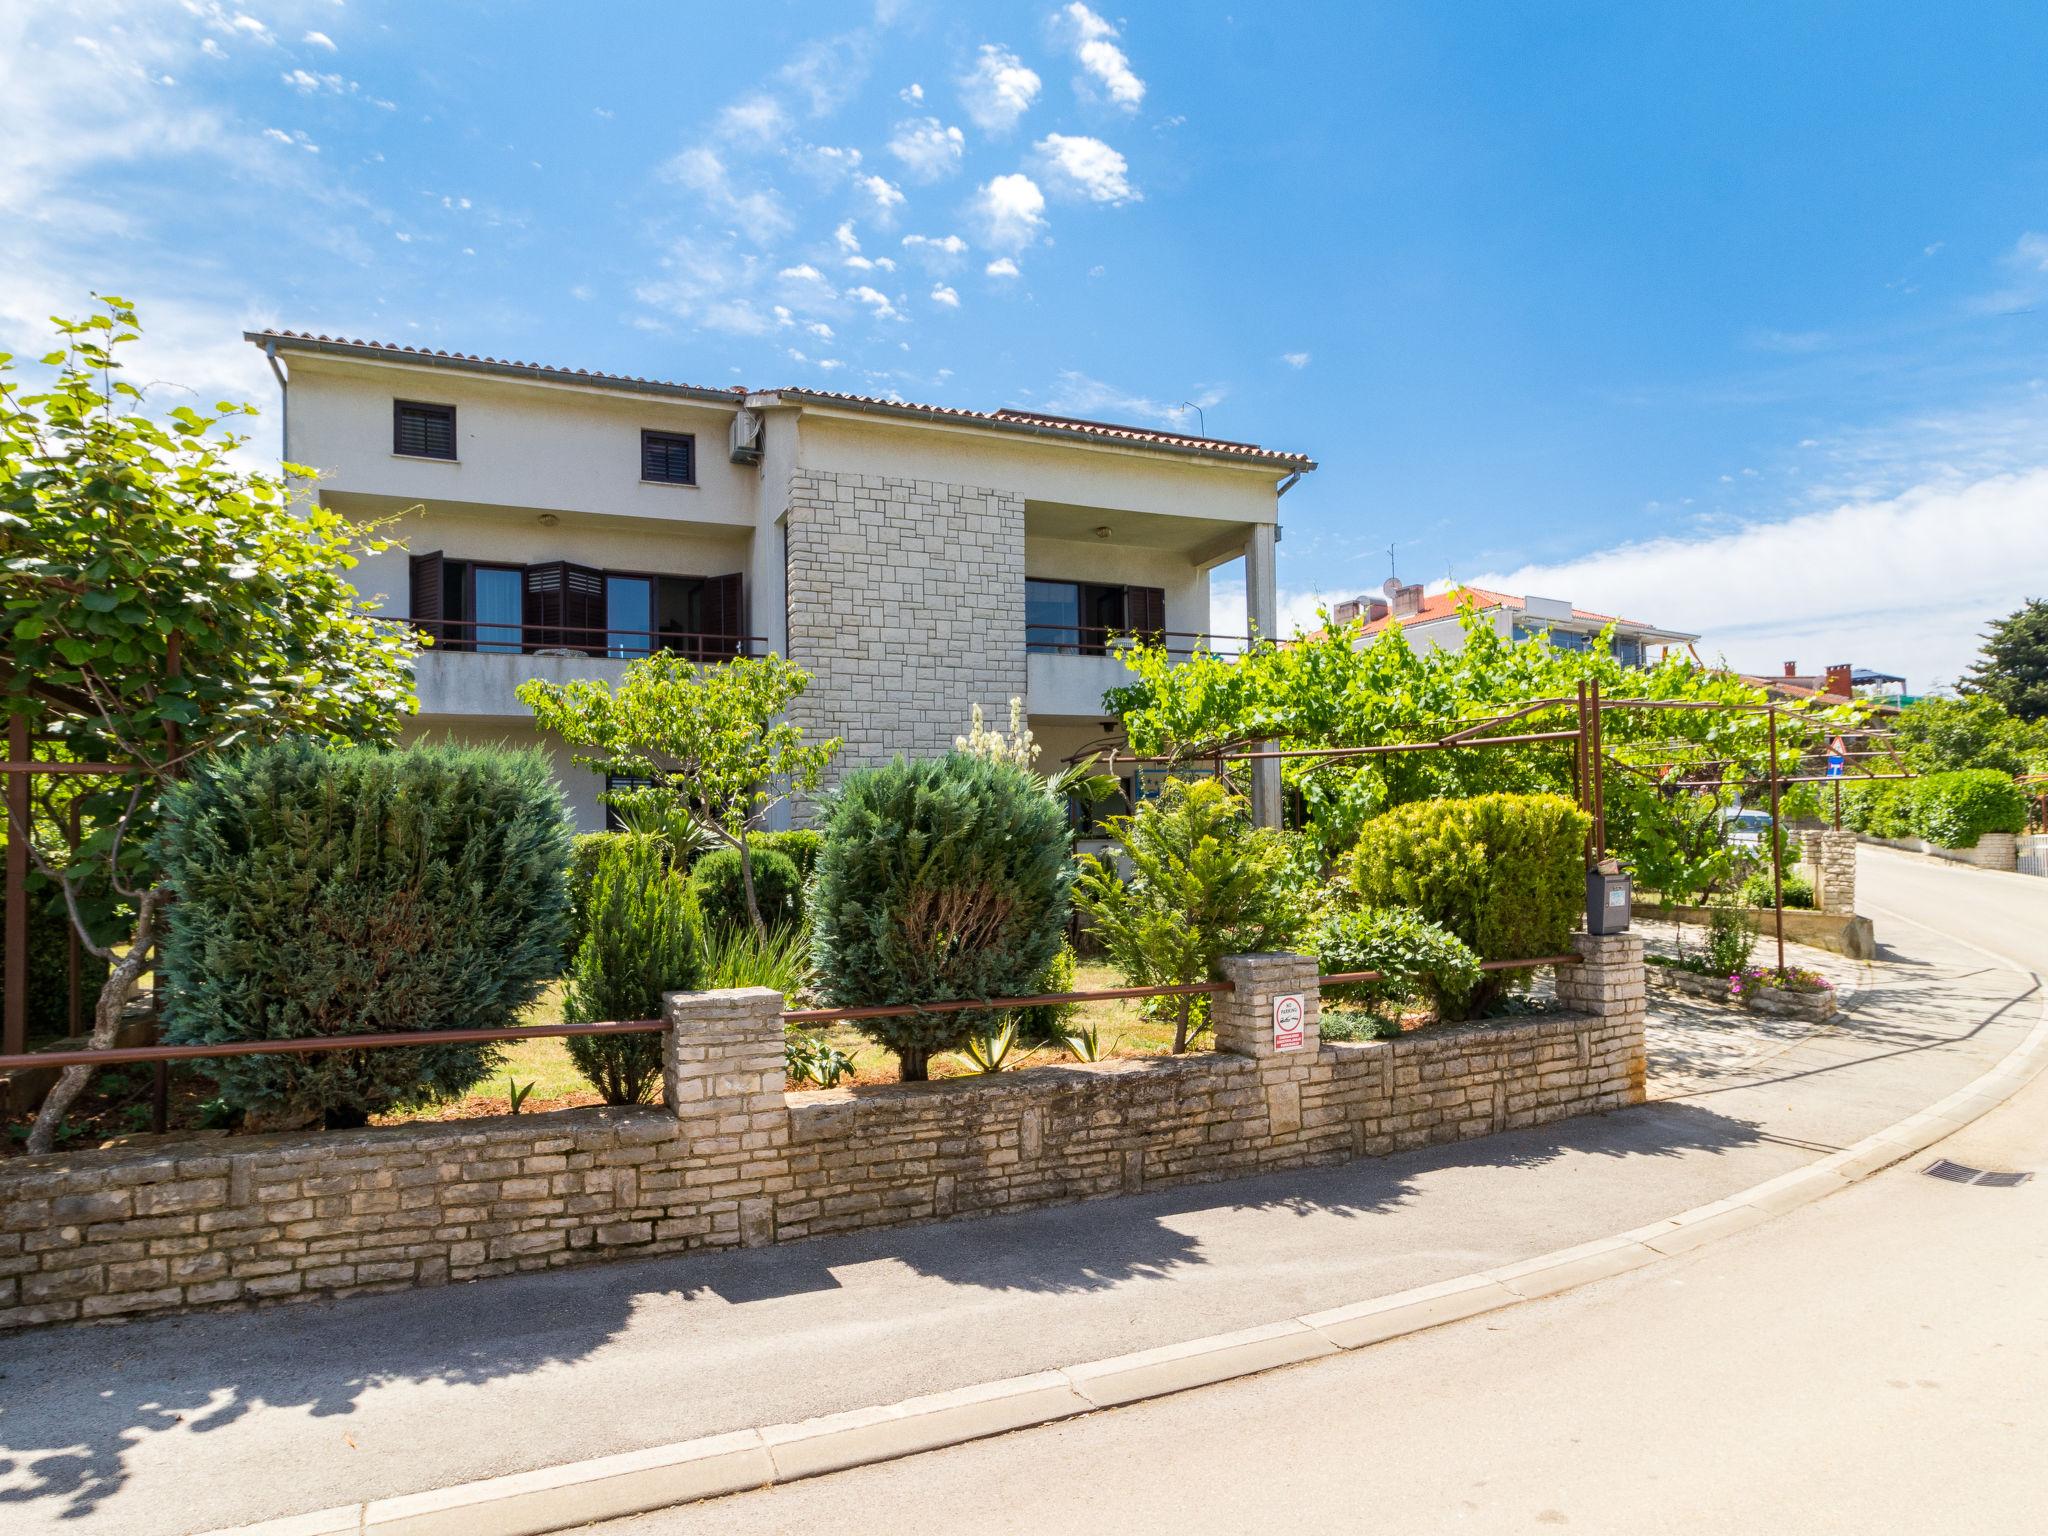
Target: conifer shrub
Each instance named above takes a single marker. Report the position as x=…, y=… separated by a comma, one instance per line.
x=941, y=880
x=1504, y=873
x=359, y=891
x=643, y=936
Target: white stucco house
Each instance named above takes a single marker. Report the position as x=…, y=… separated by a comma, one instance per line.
x=1431, y=621
x=915, y=559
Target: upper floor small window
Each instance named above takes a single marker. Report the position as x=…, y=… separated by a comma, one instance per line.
x=423, y=431
x=670, y=457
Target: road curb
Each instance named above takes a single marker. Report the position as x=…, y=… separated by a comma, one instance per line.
x=660, y=1477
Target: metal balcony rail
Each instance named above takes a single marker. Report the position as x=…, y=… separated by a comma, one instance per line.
x=482, y=635
x=316, y=1044
x=1099, y=640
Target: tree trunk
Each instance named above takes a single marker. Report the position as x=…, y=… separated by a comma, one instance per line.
x=747, y=885
x=106, y=1023
x=1182, y=1007
x=915, y=1062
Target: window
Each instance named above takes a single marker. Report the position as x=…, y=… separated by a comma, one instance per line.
x=670, y=457
x=1082, y=618
x=614, y=782
x=474, y=605
x=422, y=431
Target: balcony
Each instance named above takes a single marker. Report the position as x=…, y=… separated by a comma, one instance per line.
x=1069, y=667
x=475, y=669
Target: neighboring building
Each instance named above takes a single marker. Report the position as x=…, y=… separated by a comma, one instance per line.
x=1431, y=621
x=915, y=559
x=1838, y=682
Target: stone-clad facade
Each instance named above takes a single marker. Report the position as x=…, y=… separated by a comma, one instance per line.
x=1828, y=860
x=734, y=1161
x=906, y=605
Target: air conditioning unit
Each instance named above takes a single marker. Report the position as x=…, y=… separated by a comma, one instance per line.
x=746, y=438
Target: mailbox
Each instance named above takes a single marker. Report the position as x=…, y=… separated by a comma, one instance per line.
x=1608, y=899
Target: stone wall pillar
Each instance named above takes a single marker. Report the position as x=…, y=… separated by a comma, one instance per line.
x=1828, y=860
x=1243, y=1021
x=722, y=1078
x=1608, y=985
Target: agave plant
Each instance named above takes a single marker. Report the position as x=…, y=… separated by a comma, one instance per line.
x=1085, y=1041
x=991, y=1052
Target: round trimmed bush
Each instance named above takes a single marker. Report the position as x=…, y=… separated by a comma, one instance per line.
x=722, y=891
x=359, y=891
x=1504, y=873
x=800, y=845
x=941, y=880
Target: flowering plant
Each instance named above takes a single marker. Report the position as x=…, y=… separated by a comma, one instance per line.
x=1793, y=978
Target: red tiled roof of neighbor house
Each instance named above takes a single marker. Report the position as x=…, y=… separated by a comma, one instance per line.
x=1032, y=422
x=1444, y=605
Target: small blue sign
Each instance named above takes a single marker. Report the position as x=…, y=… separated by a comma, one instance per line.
x=1834, y=765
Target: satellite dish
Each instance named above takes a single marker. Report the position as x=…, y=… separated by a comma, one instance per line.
x=1391, y=585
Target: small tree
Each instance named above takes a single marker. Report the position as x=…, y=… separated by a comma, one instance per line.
x=642, y=938
x=706, y=742
x=940, y=881
x=1204, y=883
x=159, y=605
x=2014, y=666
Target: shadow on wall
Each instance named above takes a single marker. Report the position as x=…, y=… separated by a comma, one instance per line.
x=75, y=1408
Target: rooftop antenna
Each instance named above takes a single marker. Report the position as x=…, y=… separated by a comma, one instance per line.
x=1189, y=405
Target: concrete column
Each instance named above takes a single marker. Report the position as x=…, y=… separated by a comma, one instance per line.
x=1262, y=607
x=1244, y=1022
x=1607, y=984
x=722, y=1077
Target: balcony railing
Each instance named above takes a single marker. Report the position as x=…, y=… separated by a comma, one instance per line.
x=567, y=640
x=1088, y=640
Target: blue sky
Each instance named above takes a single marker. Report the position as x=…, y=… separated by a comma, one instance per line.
x=1729, y=321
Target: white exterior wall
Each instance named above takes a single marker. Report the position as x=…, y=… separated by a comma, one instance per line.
x=888, y=556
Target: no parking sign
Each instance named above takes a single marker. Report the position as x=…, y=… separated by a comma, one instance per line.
x=1289, y=1033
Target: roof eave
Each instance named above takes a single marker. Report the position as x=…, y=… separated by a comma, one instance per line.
x=392, y=357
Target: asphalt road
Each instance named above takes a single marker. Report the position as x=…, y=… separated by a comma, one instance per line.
x=1875, y=1363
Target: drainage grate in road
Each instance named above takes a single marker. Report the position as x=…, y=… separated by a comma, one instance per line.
x=1958, y=1173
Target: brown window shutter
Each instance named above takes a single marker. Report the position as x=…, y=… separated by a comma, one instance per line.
x=541, y=612
x=725, y=617
x=583, y=609
x=427, y=576
x=1145, y=612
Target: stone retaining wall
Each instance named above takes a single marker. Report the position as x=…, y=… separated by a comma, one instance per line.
x=734, y=1161
x=1994, y=850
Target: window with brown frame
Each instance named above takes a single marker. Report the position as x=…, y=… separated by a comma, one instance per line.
x=669, y=458
x=558, y=605
x=1082, y=618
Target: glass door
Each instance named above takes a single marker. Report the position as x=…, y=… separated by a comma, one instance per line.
x=628, y=615
x=498, y=595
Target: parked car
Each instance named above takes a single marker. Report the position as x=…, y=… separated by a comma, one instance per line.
x=1745, y=829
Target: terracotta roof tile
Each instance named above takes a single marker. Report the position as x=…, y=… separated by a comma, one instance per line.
x=1443, y=605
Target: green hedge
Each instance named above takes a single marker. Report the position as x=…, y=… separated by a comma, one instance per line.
x=1953, y=810
x=1504, y=873
x=1950, y=810
x=1416, y=959
x=320, y=892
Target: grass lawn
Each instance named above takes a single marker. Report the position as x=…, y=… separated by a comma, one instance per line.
x=1120, y=1024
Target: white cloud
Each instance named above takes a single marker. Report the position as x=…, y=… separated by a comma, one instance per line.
x=820, y=329
x=948, y=297
x=846, y=239
x=802, y=273
x=887, y=196
x=1294, y=359
x=878, y=302
x=1228, y=619
x=912, y=93
x=212, y=49
x=1002, y=266
x=756, y=120
x=1011, y=210
x=757, y=212
x=1076, y=394
x=307, y=83
x=999, y=89
x=708, y=283
x=1829, y=585
x=826, y=73
x=1076, y=165
x=1094, y=43
x=315, y=39
x=938, y=253
x=929, y=149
